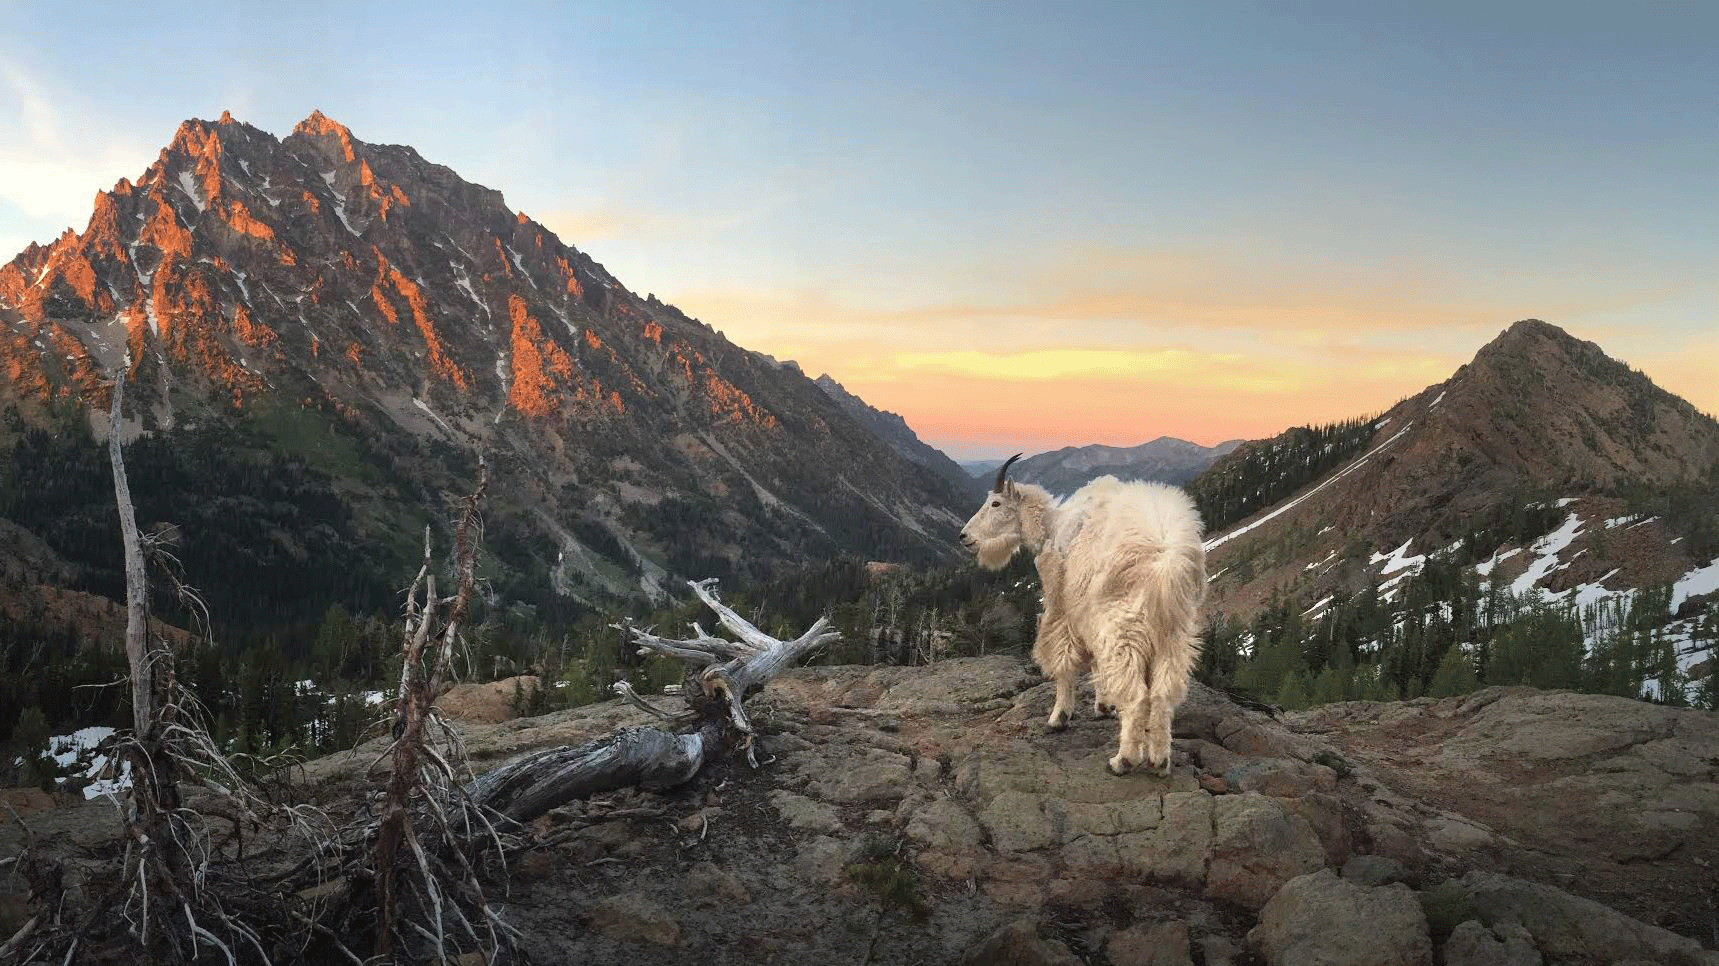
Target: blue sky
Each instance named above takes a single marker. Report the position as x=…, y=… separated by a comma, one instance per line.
x=1020, y=225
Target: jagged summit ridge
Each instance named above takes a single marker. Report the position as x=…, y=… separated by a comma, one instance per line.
x=383, y=293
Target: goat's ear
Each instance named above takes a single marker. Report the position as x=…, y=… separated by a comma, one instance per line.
x=1013, y=488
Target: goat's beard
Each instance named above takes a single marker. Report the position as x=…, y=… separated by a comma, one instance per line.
x=994, y=553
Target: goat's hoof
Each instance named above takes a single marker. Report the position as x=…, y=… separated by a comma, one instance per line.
x=1161, y=769
x=1054, y=725
x=1104, y=710
x=1119, y=766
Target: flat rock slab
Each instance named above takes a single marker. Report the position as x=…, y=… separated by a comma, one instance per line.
x=1322, y=920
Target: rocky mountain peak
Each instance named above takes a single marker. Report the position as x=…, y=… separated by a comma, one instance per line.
x=1537, y=411
x=319, y=125
x=382, y=296
x=1544, y=347
x=1165, y=460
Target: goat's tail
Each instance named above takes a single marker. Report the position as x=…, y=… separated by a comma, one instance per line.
x=1173, y=590
x=1151, y=643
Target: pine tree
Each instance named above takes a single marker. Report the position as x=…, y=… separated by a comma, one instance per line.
x=1704, y=694
x=1455, y=675
x=1292, y=695
x=1669, y=676
x=1327, y=687
x=30, y=739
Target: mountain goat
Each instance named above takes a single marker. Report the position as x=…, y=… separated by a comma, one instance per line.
x=1124, y=576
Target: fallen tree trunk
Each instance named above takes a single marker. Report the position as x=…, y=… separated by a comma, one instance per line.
x=721, y=675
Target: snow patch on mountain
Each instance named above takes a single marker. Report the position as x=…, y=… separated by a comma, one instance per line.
x=1701, y=580
x=188, y=184
x=1547, y=549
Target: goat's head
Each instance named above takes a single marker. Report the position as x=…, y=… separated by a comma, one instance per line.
x=994, y=533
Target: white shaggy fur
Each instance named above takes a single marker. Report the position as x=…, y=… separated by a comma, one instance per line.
x=1124, y=576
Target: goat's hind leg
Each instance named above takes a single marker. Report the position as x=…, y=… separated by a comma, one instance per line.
x=1121, y=679
x=1135, y=713
x=1168, y=686
x=1102, y=706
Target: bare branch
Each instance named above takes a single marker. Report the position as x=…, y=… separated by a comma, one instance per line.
x=625, y=690
x=716, y=721
x=706, y=591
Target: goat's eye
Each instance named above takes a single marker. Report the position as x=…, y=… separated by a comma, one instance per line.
x=996, y=502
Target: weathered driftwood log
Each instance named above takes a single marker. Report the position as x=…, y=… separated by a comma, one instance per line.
x=722, y=675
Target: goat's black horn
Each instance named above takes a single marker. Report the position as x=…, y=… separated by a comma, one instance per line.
x=1003, y=471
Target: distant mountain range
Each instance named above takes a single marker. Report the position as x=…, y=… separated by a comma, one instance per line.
x=1164, y=460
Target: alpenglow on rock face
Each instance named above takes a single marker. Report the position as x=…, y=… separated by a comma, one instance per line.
x=319, y=286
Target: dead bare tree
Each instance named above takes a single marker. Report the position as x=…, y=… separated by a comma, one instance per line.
x=423, y=859
x=412, y=874
x=173, y=899
x=722, y=674
x=155, y=791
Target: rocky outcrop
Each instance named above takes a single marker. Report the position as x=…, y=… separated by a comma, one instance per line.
x=923, y=815
x=1614, y=798
x=490, y=703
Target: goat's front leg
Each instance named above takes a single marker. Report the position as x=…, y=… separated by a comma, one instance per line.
x=1061, y=658
x=1063, y=710
x=1131, y=744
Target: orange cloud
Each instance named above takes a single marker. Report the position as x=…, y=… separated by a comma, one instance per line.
x=974, y=414
x=980, y=401
x=1296, y=312
x=1119, y=346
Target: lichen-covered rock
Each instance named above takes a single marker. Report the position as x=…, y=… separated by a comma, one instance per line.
x=1017, y=823
x=820, y=860
x=1322, y=920
x=633, y=917
x=1155, y=944
x=944, y=825
x=1374, y=870
x=868, y=775
x=1257, y=846
x=1160, y=840
x=1280, y=777
x=1506, y=944
x=804, y=814
x=709, y=885
x=1571, y=927
x=1019, y=944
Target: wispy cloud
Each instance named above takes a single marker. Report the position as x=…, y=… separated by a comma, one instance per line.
x=54, y=164
x=1107, y=296
x=603, y=223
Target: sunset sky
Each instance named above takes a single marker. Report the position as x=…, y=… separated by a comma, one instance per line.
x=1021, y=226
